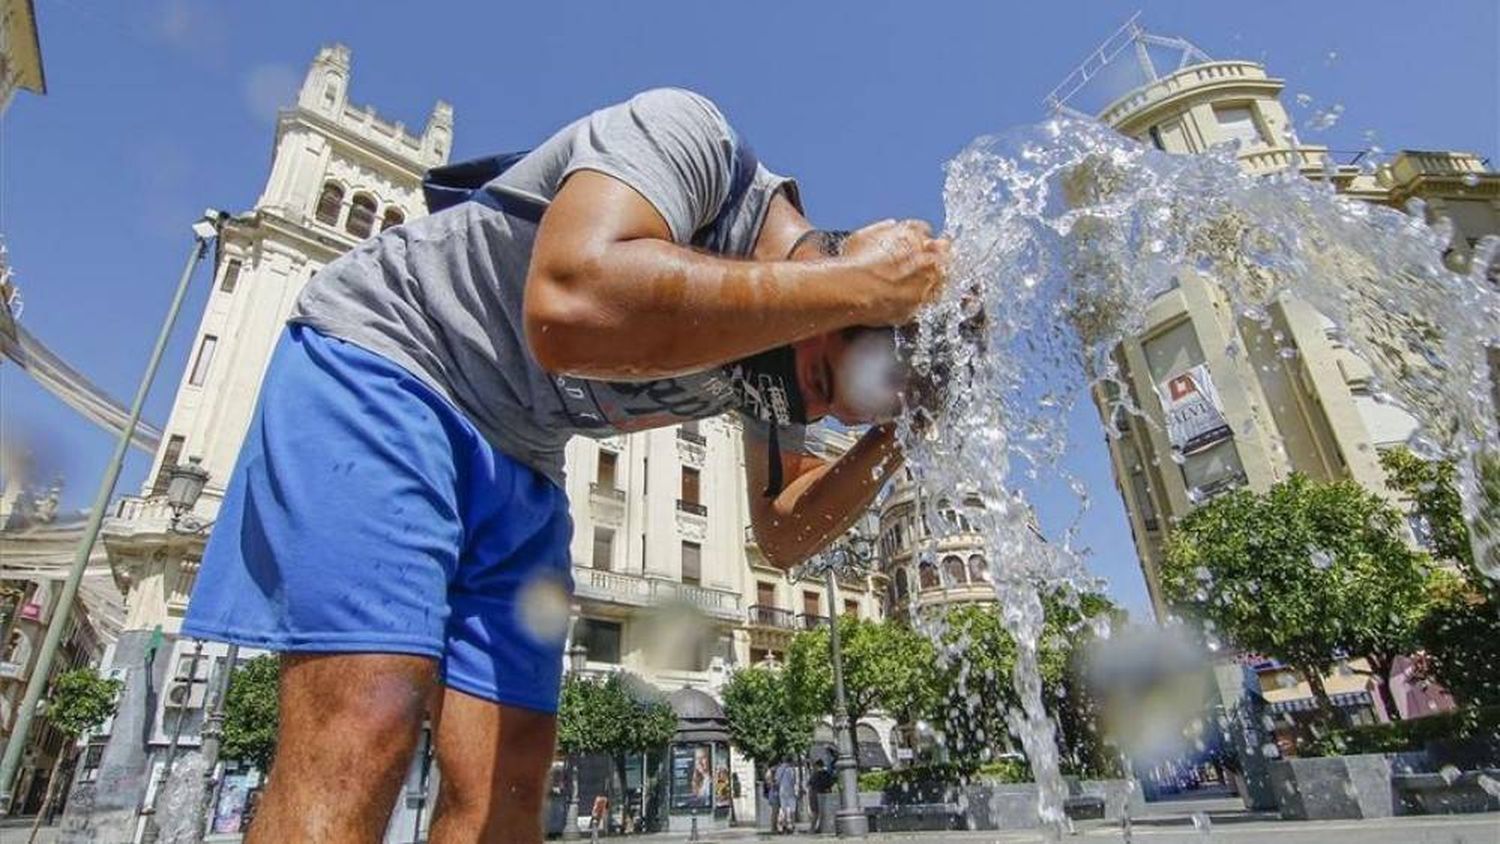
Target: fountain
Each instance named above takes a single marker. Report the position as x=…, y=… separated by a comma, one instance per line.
x=1063, y=236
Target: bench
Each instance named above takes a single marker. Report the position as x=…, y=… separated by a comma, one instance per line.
x=1436, y=794
x=1084, y=807
x=915, y=817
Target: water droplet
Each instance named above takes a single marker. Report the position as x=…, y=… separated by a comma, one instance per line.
x=1450, y=774
x=1471, y=179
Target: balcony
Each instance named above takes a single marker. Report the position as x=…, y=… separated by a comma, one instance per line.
x=608, y=493
x=1222, y=74
x=766, y=615
x=1262, y=160
x=691, y=437
x=809, y=621
x=636, y=591
x=692, y=507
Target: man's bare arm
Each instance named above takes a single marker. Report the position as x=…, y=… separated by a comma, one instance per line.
x=821, y=500
x=609, y=295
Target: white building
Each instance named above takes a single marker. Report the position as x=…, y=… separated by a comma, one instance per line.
x=665, y=565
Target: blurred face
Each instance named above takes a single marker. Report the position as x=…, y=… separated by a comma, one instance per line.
x=852, y=375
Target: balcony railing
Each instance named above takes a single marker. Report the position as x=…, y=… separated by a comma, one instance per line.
x=609, y=492
x=808, y=621
x=632, y=589
x=765, y=615
x=692, y=507
x=691, y=436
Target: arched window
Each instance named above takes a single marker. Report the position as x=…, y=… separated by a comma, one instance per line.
x=393, y=217
x=979, y=570
x=361, y=215
x=953, y=571
x=927, y=573
x=330, y=202
x=903, y=586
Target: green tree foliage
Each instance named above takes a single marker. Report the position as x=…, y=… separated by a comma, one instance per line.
x=1303, y=572
x=251, y=713
x=976, y=679
x=604, y=715
x=887, y=667
x=81, y=701
x=1457, y=634
x=764, y=721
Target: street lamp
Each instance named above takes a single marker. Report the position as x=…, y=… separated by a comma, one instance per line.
x=185, y=483
x=578, y=657
x=205, y=230
x=851, y=554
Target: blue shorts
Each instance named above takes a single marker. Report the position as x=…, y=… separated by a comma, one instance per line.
x=366, y=515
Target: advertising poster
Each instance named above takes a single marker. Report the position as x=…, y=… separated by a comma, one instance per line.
x=692, y=776
x=1195, y=419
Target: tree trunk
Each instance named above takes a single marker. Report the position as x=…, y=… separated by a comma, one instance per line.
x=41, y=815
x=570, y=811
x=1330, y=713
x=1381, y=667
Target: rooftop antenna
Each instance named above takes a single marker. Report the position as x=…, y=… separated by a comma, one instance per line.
x=1131, y=34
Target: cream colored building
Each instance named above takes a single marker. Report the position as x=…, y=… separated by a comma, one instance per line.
x=20, y=51
x=1311, y=412
x=669, y=582
x=921, y=567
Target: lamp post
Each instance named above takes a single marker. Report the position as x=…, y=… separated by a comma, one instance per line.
x=850, y=554
x=185, y=482
x=578, y=657
x=205, y=230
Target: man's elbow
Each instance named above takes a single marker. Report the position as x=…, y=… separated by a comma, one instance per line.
x=780, y=549
x=560, y=327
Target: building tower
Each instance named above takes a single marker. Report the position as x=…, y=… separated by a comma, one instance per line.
x=923, y=570
x=1312, y=412
x=339, y=173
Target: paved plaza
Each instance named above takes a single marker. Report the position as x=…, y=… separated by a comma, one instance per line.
x=1178, y=822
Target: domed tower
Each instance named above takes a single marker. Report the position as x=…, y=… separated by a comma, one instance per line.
x=1291, y=396
x=927, y=567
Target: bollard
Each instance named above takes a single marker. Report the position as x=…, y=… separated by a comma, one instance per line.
x=693, y=830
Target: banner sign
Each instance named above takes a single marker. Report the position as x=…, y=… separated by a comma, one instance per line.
x=1195, y=418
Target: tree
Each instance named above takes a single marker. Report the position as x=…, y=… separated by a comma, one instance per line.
x=250, y=712
x=80, y=702
x=979, y=659
x=887, y=667
x=764, y=721
x=1461, y=650
x=1304, y=572
x=605, y=716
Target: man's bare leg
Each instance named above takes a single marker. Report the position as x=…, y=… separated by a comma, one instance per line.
x=494, y=761
x=349, y=724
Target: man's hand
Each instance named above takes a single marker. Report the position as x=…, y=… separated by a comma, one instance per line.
x=905, y=265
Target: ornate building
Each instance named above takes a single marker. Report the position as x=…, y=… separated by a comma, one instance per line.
x=669, y=582
x=339, y=174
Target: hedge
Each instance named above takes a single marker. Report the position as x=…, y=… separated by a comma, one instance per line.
x=1408, y=735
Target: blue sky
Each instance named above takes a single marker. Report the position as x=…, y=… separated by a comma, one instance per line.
x=159, y=108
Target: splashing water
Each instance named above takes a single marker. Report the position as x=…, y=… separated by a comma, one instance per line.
x=1063, y=235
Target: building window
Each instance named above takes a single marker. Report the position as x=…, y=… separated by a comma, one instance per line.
x=1213, y=470
x=93, y=755
x=605, y=477
x=1238, y=124
x=810, y=605
x=604, y=548
x=393, y=217
x=169, y=459
x=765, y=594
x=205, y=358
x=953, y=570
x=361, y=215
x=927, y=574
x=979, y=570
x=689, y=432
x=600, y=640
x=1143, y=499
x=851, y=608
x=690, y=485
x=692, y=563
x=1155, y=134
x=903, y=586
x=231, y=276
x=330, y=203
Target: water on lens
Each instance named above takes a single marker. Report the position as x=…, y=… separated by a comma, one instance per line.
x=1063, y=234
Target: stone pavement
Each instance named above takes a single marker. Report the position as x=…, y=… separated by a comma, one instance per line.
x=1170, y=824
